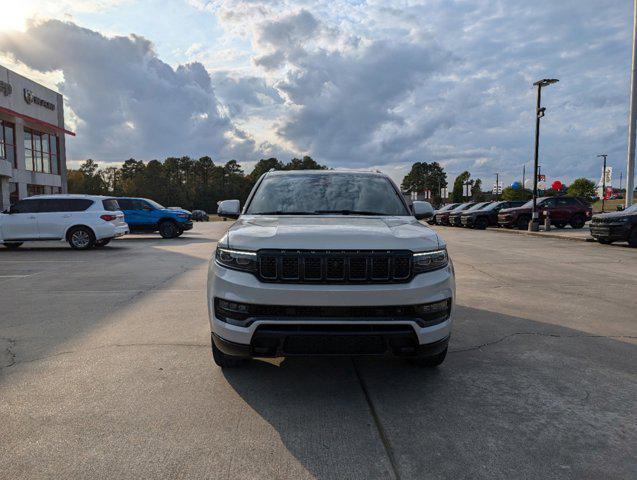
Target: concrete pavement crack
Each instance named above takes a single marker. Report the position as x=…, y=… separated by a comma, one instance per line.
x=101, y=347
x=389, y=451
x=539, y=334
x=10, y=351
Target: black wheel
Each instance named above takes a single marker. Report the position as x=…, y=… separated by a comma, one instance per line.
x=168, y=229
x=523, y=223
x=632, y=238
x=179, y=233
x=81, y=238
x=559, y=224
x=433, y=361
x=222, y=360
x=481, y=223
x=12, y=245
x=604, y=241
x=102, y=243
x=577, y=221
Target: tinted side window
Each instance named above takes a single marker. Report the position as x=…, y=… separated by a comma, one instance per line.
x=25, y=206
x=111, y=205
x=78, y=204
x=140, y=205
x=124, y=203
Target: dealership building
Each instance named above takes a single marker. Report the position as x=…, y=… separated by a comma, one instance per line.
x=32, y=147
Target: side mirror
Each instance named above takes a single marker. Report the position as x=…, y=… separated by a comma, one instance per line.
x=229, y=209
x=422, y=210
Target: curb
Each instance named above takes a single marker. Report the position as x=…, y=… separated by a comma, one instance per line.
x=541, y=234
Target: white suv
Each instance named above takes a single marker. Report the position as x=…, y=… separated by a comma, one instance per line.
x=329, y=263
x=85, y=221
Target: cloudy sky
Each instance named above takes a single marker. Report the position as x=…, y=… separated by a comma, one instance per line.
x=377, y=83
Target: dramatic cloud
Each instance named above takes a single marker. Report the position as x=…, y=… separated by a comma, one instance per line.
x=127, y=101
x=375, y=83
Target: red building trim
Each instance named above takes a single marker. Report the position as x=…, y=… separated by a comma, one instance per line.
x=36, y=121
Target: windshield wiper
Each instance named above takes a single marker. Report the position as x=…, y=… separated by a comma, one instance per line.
x=281, y=212
x=350, y=212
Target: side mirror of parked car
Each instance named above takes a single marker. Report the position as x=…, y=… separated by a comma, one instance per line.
x=229, y=209
x=422, y=210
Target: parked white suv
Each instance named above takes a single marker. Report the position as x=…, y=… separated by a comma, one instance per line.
x=85, y=221
x=329, y=263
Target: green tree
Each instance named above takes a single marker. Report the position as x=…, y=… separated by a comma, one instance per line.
x=93, y=183
x=414, y=181
x=584, y=188
x=457, y=195
x=510, y=193
x=265, y=165
x=306, y=163
x=477, y=195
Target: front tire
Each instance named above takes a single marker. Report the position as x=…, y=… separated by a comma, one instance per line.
x=481, y=223
x=81, y=238
x=577, y=222
x=604, y=241
x=222, y=360
x=432, y=361
x=12, y=245
x=168, y=229
x=632, y=238
x=523, y=223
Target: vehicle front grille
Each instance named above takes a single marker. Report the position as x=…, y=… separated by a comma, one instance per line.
x=328, y=266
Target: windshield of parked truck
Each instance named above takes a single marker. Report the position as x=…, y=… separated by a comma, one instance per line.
x=329, y=193
x=478, y=206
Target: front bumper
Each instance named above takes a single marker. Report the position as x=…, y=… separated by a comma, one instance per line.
x=507, y=221
x=615, y=232
x=185, y=225
x=244, y=287
x=467, y=221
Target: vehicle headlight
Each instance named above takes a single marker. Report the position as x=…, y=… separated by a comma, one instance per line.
x=623, y=220
x=432, y=260
x=236, y=259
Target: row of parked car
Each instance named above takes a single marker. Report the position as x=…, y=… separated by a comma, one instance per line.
x=87, y=221
x=561, y=211
x=514, y=214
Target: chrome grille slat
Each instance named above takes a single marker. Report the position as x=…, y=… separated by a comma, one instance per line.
x=340, y=266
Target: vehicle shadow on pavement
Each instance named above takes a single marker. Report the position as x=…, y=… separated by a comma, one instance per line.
x=515, y=399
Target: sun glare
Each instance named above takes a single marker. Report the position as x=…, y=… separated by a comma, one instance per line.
x=13, y=15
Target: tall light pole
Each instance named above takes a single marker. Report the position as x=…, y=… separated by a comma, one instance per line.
x=497, y=186
x=603, y=155
x=632, y=122
x=534, y=224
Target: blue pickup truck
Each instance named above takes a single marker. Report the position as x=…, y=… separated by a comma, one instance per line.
x=144, y=215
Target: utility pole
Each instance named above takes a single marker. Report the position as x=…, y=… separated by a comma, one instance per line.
x=497, y=186
x=603, y=155
x=534, y=224
x=620, y=180
x=632, y=122
x=523, y=179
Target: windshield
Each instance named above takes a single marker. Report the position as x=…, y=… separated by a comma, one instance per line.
x=155, y=204
x=339, y=193
x=493, y=205
x=449, y=206
x=462, y=206
x=478, y=206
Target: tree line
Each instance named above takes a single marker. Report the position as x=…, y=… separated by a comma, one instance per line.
x=178, y=182
x=425, y=176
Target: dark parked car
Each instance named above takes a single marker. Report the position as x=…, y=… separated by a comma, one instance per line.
x=200, y=216
x=561, y=211
x=455, y=216
x=487, y=216
x=443, y=218
x=444, y=209
x=616, y=226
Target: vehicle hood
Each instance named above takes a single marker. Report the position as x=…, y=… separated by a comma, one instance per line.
x=612, y=215
x=175, y=211
x=331, y=233
x=515, y=210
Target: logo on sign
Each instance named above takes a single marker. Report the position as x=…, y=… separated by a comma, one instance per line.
x=5, y=88
x=30, y=98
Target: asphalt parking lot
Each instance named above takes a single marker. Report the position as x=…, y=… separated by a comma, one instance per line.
x=106, y=372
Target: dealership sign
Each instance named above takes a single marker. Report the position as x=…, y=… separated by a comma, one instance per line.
x=30, y=98
x=5, y=88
